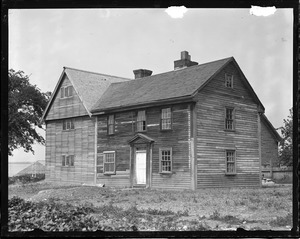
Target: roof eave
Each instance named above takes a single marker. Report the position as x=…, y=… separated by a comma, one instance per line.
x=121, y=108
x=271, y=127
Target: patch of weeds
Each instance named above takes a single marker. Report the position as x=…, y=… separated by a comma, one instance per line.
x=282, y=221
x=158, y=212
x=253, y=208
x=256, y=228
x=184, y=213
x=254, y=200
x=231, y=219
x=216, y=215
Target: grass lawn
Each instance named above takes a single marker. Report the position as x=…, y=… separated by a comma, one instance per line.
x=148, y=209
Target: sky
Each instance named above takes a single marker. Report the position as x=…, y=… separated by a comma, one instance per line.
x=118, y=41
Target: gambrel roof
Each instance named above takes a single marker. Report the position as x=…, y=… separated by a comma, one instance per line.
x=89, y=86
x=174, y=85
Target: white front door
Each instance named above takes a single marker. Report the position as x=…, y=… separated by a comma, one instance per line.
x=140, y=166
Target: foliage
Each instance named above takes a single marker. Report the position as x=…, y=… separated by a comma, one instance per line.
x=282, y=221
x=286, y=145
x=26, y=178
x=26, y=104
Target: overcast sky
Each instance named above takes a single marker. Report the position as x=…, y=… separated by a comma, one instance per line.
x=116, y=42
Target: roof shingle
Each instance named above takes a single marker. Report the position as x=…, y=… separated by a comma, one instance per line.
x=173, y=84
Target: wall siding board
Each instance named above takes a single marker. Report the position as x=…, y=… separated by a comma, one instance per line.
x=66, y=107
x=269, y=146
x=213, y=140
x=73, y=142
x=178, y=138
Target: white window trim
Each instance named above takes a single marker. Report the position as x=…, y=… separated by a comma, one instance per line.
x=160, y=160
x=138, y=121
x=226, y=172
x=161, y=119
x=110, y=172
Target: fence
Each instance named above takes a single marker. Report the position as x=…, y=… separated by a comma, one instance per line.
x=281, y=175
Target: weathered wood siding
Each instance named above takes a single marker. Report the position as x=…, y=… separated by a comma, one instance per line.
x=213, y=140
x=66, y=107
x=78, y=142
x=269, y=146
x=178, y=138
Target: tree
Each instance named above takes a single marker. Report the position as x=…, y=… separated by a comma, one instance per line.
x=286, y=145
x=26, y=104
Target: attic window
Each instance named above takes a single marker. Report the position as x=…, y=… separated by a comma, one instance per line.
x=66, y=91
x=228, y=81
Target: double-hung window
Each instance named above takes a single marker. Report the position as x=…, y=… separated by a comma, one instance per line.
x=68, y=124
x=230, y=162
x=166, y=119
x=67, y=160
x=165, y=159
x=109, y=161
x=111, y=125
x=141, y=121
x=228, y=81
x=66, y=91
x=229, y=119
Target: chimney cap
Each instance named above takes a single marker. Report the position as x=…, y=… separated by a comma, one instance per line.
x=139, y=73
x=185, y=61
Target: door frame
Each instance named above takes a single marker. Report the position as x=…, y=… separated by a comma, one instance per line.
x=148, y=149
x=135, y=164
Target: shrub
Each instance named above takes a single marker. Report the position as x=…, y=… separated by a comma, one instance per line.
x=26, y=178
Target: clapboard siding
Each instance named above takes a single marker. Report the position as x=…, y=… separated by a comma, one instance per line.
x=179, y=180
x=66, y=107
x=178, y=138
x=78, y=142
x=269, y=146
x=213, y=140
x=217, y=180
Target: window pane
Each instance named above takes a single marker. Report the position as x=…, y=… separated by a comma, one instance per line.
x=141, y=115
x=72, y=160
x=63, y=163
x=110, y=129
x=111, y=119
x=62, y=91
x=70, y=90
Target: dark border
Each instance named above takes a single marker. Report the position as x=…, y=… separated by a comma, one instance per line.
x=37, y=4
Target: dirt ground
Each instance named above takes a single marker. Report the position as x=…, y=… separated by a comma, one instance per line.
x=218, y=209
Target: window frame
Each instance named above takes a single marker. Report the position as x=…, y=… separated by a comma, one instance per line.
x=230, y=162
x=111, y=124
x=138, y=121
x=114, y=163
x=65, y=160
x=229, y=79
x=161, y=119
x=161, y=171
x=68, y=122
x=232, y=119
x=68, y=89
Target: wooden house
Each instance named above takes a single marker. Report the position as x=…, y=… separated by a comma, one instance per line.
x=199, y=125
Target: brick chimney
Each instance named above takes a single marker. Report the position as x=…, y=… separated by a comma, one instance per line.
x=185, y=61
x=140, y=73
